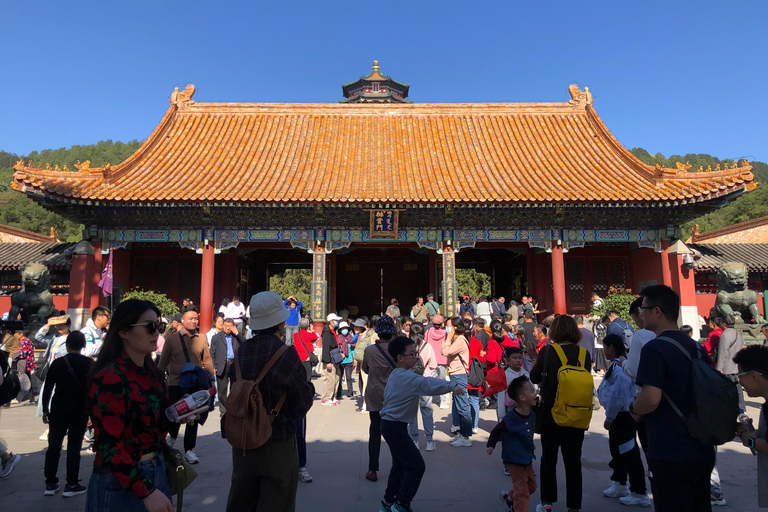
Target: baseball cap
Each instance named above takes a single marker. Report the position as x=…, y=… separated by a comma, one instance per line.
x=437, y=319
x=266, y=310
x=332, y=316
x=359, y=323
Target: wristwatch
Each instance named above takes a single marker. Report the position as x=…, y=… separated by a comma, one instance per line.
x=751, y=443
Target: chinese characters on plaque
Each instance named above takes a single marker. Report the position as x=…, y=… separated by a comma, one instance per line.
x=383, y=224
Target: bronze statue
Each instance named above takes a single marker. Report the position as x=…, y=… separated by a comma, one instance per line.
x=34, y=301
x=733, y=296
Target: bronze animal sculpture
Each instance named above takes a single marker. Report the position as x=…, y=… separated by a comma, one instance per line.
x=34, y=301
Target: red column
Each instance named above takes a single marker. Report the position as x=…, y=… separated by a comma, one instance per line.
x=80, y=284
x=98, y=267
x=206, y=289
x=666, y=276
x=558, y=279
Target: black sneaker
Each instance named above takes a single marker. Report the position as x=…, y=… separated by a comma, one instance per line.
x=51, y=489
x=73, y=490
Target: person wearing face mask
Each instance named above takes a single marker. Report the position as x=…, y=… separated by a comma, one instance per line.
x=331, y=370
x=435, y=337
x=345, y=339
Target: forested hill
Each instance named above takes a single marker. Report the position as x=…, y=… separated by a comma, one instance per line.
x=747, y=207
x=19, y=211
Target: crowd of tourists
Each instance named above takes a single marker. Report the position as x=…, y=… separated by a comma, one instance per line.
x=111, y=382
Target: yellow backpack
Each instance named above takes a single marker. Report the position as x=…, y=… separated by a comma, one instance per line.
x=575, y=389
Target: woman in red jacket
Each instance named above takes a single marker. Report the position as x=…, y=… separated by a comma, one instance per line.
x=474, y=394
x=304, y=341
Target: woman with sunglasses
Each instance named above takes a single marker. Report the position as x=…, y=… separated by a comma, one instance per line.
x=126, y=401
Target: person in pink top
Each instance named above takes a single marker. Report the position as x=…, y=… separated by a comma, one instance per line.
x=435, y=336
x=429, y=369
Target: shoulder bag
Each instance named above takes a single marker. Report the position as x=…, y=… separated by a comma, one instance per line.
x=389, y=359
x=313, y=359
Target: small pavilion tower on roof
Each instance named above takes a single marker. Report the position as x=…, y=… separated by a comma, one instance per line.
x=375, y=87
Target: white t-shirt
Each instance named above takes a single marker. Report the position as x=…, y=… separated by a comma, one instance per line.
x=235, y=311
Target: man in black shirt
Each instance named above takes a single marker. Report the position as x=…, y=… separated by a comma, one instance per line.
x=67, y=415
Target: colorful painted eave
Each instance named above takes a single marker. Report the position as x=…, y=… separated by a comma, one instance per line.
x=482, y=154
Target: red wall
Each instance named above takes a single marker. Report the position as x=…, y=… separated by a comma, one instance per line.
x=646, y=265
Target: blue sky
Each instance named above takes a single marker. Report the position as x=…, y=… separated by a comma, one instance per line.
x=669, y=76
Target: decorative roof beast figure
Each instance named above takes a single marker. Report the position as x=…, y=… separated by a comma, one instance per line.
x=34, y=301
x=733, y=297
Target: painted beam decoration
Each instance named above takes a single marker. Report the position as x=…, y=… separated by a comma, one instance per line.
x=383, y=224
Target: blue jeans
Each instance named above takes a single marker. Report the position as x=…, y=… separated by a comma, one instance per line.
x=290, y=330
x=460, y=411
x=105, y=494
x=474, y=406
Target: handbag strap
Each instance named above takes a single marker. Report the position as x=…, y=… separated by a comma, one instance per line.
x=385, y=355
x=74, y=375
x=184, y=346
x=301, y=339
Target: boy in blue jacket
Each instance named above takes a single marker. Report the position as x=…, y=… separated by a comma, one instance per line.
x=517, y=448
x=401, y=405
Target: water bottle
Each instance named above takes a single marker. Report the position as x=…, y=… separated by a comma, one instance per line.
x=747, y=422
x=186, y=405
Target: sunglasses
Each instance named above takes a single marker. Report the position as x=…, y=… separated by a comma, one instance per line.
x=152, y=327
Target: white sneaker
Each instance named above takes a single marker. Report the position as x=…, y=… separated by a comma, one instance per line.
x=431, y=446
x=636, y=500
x=191, y=457
x=461, y=441
x=455, y=430
x=543, y=508
x=304, y=475
x=474, y=430
x=456, y=437
x=44, y=437
x=616, y=490
x=170, y=440
x=445, y=406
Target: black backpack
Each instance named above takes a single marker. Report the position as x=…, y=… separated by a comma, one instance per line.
x=11, y=385
x=715, y=409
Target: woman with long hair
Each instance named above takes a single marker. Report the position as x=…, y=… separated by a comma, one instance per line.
x=456, y=349
x=127, y=401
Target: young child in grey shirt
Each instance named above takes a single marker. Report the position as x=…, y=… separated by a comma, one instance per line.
x=401, y=405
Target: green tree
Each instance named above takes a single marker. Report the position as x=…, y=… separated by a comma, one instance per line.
x=167, y=307
x=619, y=300
x=294, y=281
x=473, y=283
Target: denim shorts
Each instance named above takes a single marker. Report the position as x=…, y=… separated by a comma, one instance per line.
x=105, y=494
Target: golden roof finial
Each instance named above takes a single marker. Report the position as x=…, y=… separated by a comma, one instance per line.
x=376, y=66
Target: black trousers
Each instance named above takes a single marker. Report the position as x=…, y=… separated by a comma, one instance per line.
x=622, y=438
x=681, y=487
x=223, y=383
x=190, y=434
x=74, y=430
x=407, y=464
x=346, y=371
x=569, y=441
x=374, y=440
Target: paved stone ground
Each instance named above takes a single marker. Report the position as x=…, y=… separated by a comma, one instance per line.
x=460, y=479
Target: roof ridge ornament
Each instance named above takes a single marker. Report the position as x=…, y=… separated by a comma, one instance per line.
x=184, y=98
x=579, y=99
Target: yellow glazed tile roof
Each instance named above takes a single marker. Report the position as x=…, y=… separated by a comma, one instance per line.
x=501, y=153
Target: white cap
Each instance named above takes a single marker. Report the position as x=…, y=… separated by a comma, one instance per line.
x=332, y=316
